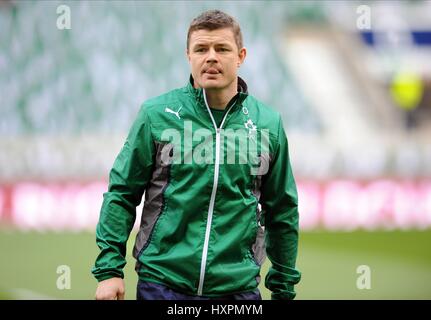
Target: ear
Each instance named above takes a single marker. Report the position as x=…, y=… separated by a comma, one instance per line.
x=241, y=55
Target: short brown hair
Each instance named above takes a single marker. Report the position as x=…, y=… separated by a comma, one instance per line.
x=213, y=20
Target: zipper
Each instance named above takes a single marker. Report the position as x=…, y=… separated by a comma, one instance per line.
x=256, y=223
x=213, y=193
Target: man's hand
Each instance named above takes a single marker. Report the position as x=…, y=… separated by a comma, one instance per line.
x=110, y=289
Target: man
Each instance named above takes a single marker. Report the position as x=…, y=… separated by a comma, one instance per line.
x=210, y=207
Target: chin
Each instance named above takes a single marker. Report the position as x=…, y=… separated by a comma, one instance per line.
x=211, y=87
x=211, y=84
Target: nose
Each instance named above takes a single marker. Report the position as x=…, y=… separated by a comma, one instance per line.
x=212, y=56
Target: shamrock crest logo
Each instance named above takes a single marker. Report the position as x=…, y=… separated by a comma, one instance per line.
x=251, y=128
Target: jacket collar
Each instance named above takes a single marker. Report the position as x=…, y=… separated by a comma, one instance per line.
x=198, y=92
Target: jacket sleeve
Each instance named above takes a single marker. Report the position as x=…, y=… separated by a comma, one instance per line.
x=279, y=201
x=127, y=181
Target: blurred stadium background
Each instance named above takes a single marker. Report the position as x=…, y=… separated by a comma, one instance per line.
x=352, y=81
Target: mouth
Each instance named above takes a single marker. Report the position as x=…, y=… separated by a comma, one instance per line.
x=211, y=71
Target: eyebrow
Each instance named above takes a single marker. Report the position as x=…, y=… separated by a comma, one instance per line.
x=219, y=44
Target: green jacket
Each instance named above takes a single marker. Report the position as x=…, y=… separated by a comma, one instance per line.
x=219, y=196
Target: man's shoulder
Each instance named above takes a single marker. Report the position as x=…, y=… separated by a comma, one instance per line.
x=169, y=98
x=153, y=109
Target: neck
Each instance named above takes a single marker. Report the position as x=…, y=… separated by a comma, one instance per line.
x=219, y=98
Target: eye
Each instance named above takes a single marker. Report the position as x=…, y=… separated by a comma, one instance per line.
x=200, y=50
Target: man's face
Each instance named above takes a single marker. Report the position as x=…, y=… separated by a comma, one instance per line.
x=214, y=58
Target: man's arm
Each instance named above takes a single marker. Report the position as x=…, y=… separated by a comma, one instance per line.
x=279, y=202
x=127, y=181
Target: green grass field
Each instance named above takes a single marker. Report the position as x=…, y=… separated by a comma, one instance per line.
x=400, y=264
